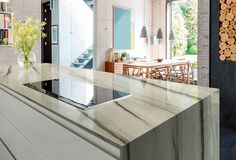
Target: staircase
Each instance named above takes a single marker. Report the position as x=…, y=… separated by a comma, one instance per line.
x=85, y=60
x=89, y=3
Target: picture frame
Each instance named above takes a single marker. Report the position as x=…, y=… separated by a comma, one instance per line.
x=54, y=34
x=121, y=28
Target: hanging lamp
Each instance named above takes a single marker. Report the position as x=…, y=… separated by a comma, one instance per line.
x=144, y=33
x=159, y=34
x=171, y=36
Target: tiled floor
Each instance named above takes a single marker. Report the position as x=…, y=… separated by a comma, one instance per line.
x=228, y=144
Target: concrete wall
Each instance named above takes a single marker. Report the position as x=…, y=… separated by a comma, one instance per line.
x=104, y=28
x=21, y=9
x=203, y=42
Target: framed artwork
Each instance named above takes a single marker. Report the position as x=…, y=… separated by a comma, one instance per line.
x=123, y=37
x=54, y=34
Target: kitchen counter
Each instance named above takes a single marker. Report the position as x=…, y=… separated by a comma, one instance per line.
x=157, y=113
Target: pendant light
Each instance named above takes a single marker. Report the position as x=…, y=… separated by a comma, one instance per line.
x=144, y=33
x=171, y=36
x=152, y=40
x=159, y=32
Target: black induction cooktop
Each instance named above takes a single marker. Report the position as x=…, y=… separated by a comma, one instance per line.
x=79, y=94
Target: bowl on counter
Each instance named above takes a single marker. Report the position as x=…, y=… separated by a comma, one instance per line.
x=159, y=60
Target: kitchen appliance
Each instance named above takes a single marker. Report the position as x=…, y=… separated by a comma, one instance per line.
x=83, y=95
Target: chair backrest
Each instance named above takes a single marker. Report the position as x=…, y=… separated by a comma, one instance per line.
x=132, y=70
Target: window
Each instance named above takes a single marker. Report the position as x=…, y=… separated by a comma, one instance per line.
x=182, y=19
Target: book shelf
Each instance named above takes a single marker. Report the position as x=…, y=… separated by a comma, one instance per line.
x=6, y=25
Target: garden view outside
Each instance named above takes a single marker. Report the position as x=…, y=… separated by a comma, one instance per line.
x=184, y=21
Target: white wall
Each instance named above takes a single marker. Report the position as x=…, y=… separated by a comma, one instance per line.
x=65, y=32
x=159, y=12
x=75, y=30
x=104, y=28
x=21, y=9
x=82, y=27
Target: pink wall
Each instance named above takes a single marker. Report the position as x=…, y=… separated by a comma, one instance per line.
x=159, y=21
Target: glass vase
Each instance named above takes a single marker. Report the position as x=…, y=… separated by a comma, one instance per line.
x=26, y=61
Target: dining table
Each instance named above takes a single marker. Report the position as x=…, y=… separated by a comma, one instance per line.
x=149, y=65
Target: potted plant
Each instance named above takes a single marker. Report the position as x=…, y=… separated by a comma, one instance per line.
x=123, y=56
x=25, y=35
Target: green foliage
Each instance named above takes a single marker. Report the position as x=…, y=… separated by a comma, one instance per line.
x=187, y=10
x=124, y=54
x=194, y=66
x=192, y=50
x=25, y=34
x=180, y=31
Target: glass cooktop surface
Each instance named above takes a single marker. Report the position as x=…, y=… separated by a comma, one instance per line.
x=79, y=94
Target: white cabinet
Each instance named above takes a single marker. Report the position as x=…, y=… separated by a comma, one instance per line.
x=4, y=153
x=50, y=139
x=17, y=143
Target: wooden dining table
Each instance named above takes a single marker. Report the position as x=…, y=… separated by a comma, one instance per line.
x=154, y=64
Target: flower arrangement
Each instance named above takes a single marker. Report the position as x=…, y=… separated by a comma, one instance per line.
x=25, y=35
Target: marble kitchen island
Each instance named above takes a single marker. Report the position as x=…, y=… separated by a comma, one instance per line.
x=158, y=121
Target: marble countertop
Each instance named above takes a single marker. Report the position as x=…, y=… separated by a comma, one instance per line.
x=152, y=102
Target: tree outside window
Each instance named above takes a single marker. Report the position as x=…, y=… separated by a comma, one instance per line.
x=184, y=24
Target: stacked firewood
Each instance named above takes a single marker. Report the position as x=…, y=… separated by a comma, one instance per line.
x=228, y=30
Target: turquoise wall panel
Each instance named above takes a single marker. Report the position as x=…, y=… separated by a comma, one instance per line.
x=122, y=28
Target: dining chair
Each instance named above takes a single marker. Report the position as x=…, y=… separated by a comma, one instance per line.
x=133, y=71
x=159, y=73
x=182, y=73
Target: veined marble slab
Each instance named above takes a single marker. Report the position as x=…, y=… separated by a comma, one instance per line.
x=171, y=120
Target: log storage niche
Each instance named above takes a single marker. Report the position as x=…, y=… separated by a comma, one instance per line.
x=227, y=30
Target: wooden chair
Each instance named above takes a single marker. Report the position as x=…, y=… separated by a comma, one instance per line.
x=133, y=71
x=176, y=72
x=159, y=73
x=181, y=73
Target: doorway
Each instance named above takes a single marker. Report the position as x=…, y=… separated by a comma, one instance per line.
x=182, y=32
x=46, y=56
x=69, y=28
